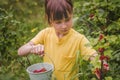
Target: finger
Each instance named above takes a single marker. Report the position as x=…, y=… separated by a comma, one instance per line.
x=42, y=50
x=39, y=49
x=35, y=50
x=42, y=55
x=32, y=50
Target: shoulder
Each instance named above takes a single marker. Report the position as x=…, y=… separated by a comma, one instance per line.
x=79, y=37
x=77, y=34
x=47, y=30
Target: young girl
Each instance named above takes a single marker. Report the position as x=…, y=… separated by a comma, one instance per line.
x=59, y=41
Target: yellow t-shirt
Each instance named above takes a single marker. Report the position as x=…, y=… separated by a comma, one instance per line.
x=63, y=51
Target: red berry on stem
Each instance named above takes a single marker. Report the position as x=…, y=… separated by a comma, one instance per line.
x=101, y=50
x=101, y=36
x=102, y=57
x=91, y=16
x=107, y=58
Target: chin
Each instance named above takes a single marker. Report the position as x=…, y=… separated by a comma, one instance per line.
x=66, y=32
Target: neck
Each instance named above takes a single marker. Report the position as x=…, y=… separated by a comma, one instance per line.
x=60, y=35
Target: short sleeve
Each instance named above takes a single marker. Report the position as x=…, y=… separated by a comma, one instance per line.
x=39, y=38
x=86, y=49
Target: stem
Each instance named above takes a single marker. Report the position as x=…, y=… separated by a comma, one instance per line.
x=28, y=60
x=21, y=64
x=101, y=70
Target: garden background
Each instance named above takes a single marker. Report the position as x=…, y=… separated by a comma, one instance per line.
x=20, y=20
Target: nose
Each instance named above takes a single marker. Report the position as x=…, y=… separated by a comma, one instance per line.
x=63, y=25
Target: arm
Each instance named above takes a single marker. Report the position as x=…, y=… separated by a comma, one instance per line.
x=30, y=47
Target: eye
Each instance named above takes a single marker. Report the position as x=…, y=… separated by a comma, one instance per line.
x=58, y=22
x=68, y=19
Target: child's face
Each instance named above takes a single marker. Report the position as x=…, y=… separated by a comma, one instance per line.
x=63, y=26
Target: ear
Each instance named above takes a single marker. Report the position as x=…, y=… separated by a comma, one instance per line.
x=51, y=24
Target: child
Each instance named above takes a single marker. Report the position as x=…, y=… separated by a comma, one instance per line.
x=59, y=41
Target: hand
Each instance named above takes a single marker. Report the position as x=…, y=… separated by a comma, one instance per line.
x=38, y=49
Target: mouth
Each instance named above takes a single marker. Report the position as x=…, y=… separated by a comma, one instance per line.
x=64, y=31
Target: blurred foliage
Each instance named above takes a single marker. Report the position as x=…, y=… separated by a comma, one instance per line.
x=20, y=20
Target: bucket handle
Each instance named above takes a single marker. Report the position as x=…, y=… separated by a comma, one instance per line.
x=50, y=59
